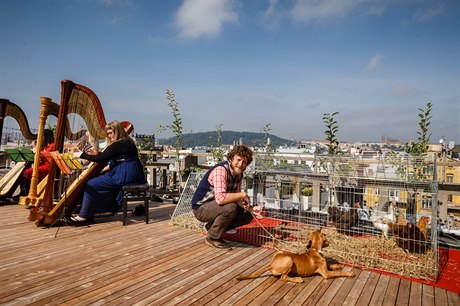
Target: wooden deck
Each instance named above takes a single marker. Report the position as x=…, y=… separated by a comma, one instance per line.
x=156, y=264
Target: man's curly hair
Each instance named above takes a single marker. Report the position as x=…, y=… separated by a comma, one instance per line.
x=242, y=151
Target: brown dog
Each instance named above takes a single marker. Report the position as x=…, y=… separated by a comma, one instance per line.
x=302, y=265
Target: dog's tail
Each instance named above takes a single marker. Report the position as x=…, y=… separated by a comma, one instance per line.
x=255, y=274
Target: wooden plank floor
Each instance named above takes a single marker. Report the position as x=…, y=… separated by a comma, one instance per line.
x=156, y=264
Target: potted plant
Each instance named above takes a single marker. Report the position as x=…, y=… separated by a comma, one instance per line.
x=307, y=192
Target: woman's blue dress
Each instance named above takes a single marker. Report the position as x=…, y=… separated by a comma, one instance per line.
x=103, y=193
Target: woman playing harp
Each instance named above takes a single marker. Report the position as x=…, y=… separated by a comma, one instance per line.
x=55, y=203
x=103, y=193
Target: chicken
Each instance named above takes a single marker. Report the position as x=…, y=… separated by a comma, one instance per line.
x=334, y=213
x=344, y=220
x=410, y=237
x=381, y=221
x=422, y=225
x=401, y=219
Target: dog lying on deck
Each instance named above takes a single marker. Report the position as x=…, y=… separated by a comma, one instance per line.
x=301, y=265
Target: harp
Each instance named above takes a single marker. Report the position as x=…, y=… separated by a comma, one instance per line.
x=80, y=100
x=47, y=108
x=10, y=181
x=10, y=109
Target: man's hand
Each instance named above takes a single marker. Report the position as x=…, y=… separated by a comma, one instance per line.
x=245, y=205
x=245, y=201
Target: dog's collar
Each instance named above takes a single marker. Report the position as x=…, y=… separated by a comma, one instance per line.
x=319, y=251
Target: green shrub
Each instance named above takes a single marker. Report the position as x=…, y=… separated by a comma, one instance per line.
x=307, y=191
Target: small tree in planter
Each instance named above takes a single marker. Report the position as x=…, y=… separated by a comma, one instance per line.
x=217, y=152
x=307, y=192
x=176, y=128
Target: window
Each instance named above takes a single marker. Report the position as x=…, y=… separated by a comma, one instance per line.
x=450, y=178
x=376, y=191
x=394, y=194
x=450, y=198
x=426, y=202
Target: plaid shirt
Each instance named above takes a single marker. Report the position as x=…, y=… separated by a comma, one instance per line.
x=218, y=179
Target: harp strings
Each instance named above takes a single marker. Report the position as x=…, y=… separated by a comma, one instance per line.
x=76, y=126
x=85, y=118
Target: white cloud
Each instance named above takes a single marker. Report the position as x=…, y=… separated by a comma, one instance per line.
x=374, y=62
x=310, y=10
x=428, y=14
x=204, y=18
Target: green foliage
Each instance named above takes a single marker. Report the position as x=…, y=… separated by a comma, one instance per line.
x=307, y=191
x=146, y=143
x=269, y=146
x=420, y=148
x=266, y=151
x=217, y=151
x=176, y=126
x=331, y=133
x=416, y=168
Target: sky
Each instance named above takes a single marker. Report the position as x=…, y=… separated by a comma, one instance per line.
x=243, y=65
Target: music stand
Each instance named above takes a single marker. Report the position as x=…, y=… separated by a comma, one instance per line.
x=14, y=154
x=27, y=154
x=65, y=170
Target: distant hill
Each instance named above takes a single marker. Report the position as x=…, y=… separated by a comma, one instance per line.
x=208, y=139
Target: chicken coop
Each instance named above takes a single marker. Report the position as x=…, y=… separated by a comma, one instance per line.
x=377, y=214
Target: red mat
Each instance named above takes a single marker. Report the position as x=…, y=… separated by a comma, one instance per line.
x=450, y=275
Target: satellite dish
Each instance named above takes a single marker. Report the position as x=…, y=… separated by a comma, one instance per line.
x=451, y=144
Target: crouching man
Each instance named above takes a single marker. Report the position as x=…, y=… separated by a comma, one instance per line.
x=219, y=201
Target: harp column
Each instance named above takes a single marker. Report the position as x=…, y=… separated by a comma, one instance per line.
x=32, y=198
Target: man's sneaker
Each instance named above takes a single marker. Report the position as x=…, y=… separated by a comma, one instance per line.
x=231, y=232
x=217, y=243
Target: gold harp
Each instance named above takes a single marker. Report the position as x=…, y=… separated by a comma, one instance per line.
x=10, y=109
x=48, y=107
x=80, y=100
x=10, y=181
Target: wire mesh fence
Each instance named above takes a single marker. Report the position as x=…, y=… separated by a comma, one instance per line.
x=379, y=214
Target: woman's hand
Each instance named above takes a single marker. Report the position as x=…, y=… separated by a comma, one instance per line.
x=91, y=151
x=76, y=154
